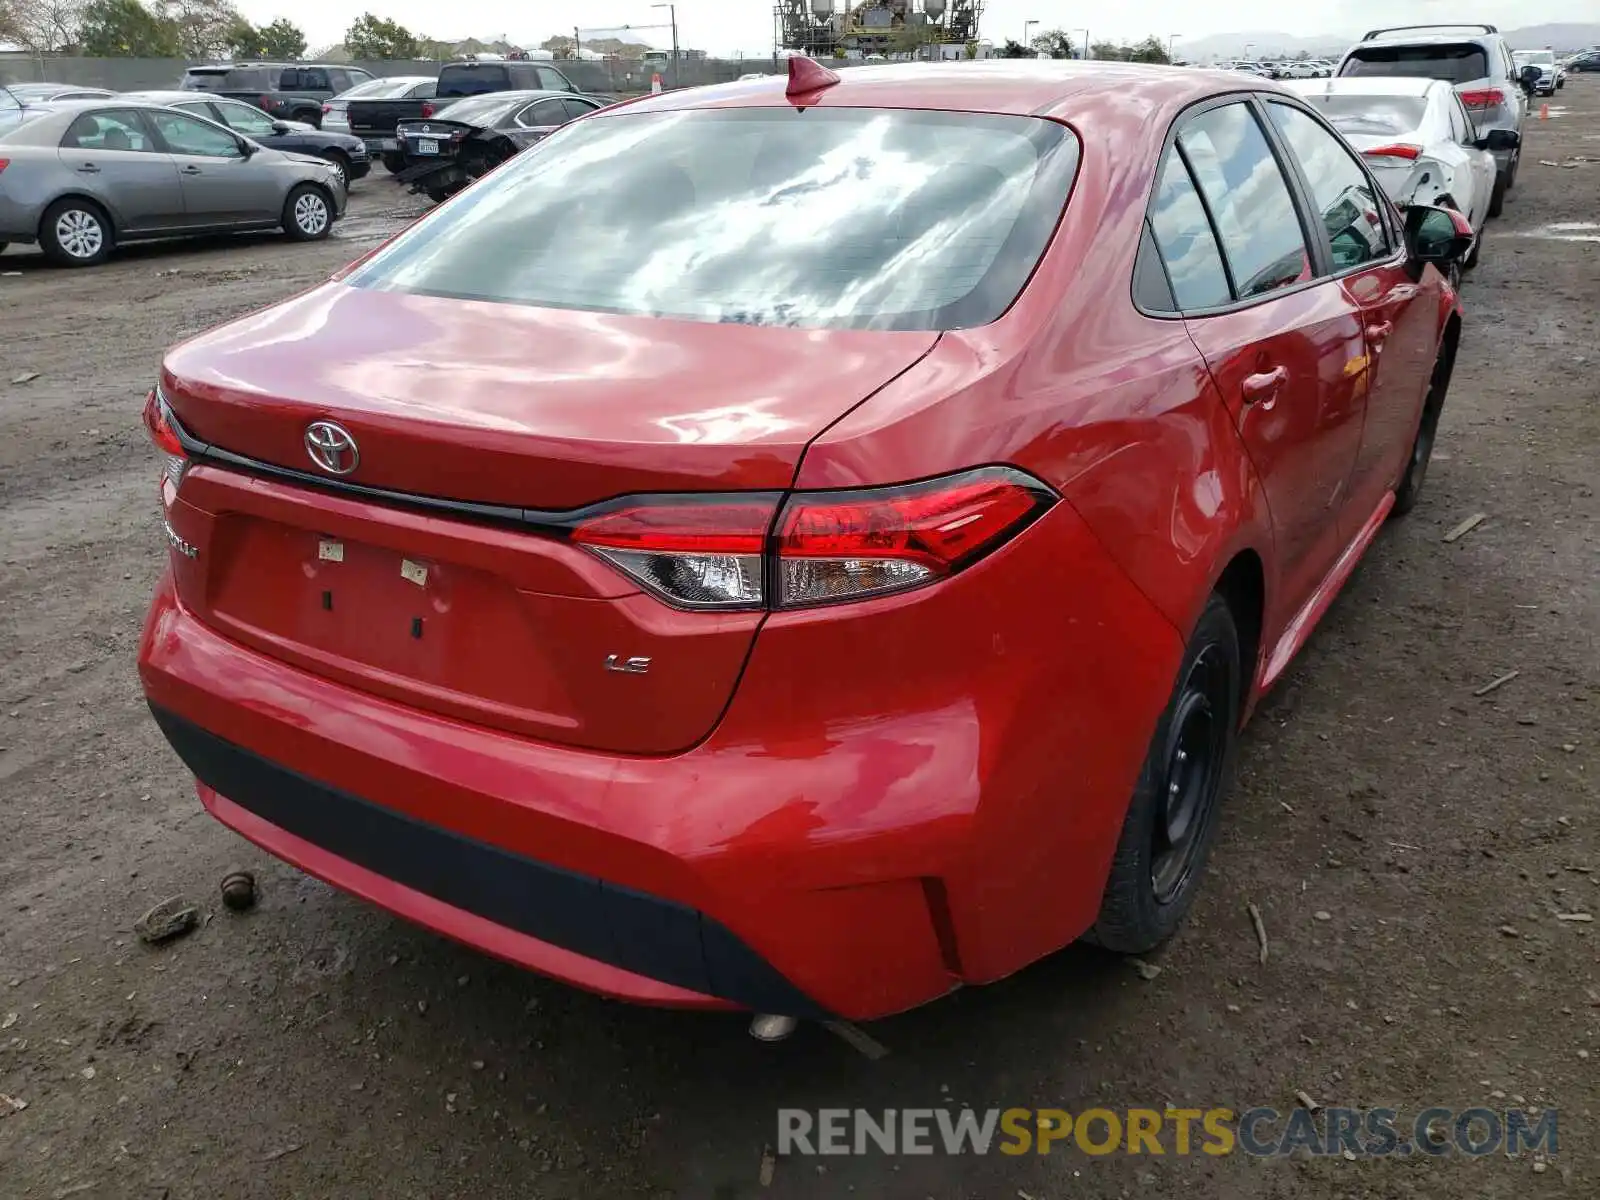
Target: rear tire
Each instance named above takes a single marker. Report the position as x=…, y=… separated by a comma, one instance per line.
x=1410, y=489
x=1511, y=171
x=393, y=163
x=1497, y=198
x=1172, y=818
x=307, y=213
x=75, y=233
x=437, y=194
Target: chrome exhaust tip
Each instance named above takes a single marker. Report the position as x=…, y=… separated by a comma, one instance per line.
x=769, y=1027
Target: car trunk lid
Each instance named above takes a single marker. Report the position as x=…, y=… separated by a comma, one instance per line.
x=512, y=409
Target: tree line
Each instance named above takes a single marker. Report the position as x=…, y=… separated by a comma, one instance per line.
x=195, y=29
x=1056, y=43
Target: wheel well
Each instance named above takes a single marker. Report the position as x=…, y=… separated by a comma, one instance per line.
x=1243, y=585
x=111, y=221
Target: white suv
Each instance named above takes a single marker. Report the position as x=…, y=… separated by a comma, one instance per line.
x=1474, y=58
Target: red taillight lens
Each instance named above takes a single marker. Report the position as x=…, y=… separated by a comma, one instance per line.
x=721, y=551
x=266, y=103
x=846, y=545
x=158, y=421
x=428, y=109
x=326, y=109
x=4, y=163
x=696, y=552
x=1399, y=150
x=1483, y=98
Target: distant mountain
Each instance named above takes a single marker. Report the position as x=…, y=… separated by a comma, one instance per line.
x=1272, y=44
x=1563, y=36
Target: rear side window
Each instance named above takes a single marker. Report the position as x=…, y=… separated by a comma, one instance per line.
x=1461, y=63
x=1249, y=200
x=473, y=80
x=108, y=129
x=1184, y=237
x=732, y=215
x=205, y=81
x=546, y=112
x=1346, y=199
x=576, y=108
x=552, y=79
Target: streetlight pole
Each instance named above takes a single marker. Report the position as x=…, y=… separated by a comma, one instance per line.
x=672, y=15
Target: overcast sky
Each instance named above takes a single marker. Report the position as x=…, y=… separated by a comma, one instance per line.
x=728, y=26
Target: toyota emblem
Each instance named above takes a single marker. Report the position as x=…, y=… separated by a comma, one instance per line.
x=331, y=447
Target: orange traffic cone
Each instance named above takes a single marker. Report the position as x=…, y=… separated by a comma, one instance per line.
x=655, y=83
x=1544, y=112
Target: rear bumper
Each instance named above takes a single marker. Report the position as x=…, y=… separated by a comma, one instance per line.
x=924, y=795
x=610, y=939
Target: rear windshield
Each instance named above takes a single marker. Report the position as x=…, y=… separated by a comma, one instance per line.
x=378, y=89
x=480, y=110
x=239, y=79
x=1371, y=114
x=1462, y=63
x=827, y=218
x=473, y=80
x=1533, y=58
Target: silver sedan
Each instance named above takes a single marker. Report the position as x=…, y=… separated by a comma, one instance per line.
x=80, y=178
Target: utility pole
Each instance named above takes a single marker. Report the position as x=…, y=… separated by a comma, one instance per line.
x=672, y=15
x=577, y=44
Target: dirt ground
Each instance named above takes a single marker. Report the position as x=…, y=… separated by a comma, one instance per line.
x=1408, y=842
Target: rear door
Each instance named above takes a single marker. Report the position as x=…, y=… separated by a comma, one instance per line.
x=1398, y=309
x=1284, y=346
x=1478, y=165
x=536, y=121
x=221, y=185
x=113, y=156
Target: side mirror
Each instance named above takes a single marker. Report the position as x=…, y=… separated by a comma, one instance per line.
x=1529, y=78
x=1440, y=236
x=247, y=148
x=280, y=127
x=1500, y=140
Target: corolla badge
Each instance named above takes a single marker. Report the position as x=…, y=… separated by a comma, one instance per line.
x=331, y=447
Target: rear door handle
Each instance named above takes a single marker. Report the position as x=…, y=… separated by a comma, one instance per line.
x=1379, y=333
x=88, y=169
x=190, y=170
x=1263, y=388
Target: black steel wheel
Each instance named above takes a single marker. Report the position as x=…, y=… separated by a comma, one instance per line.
x=1172, y=818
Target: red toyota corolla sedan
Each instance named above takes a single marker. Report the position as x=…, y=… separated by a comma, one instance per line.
x=799, y=546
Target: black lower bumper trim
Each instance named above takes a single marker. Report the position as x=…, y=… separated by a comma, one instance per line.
x=658, y=939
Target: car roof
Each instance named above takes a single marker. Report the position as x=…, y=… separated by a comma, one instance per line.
x=1059, y=88
x=1366, y=85
x=168, y=96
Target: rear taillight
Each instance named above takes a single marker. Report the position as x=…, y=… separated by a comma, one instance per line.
x=158, y=421
x=1399, y=150
x=698, y=552
x=4, y=163
x=1483, y=98
x=267, y=103
x=427, y=109
x=326, y=109
x=823, y=548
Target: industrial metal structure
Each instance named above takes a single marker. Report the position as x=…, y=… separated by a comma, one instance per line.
x=823, y=28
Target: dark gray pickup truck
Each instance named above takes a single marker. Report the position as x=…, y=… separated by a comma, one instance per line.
x=373, y=121
x=287, y=91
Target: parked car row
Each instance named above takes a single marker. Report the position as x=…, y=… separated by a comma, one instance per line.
x=805, y=545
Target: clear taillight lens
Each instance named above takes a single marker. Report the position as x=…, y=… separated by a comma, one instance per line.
x=847, y=545
x=826, y=547
x=694, y=552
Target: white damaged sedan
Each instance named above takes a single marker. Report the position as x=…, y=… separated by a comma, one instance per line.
x=1418, y=139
